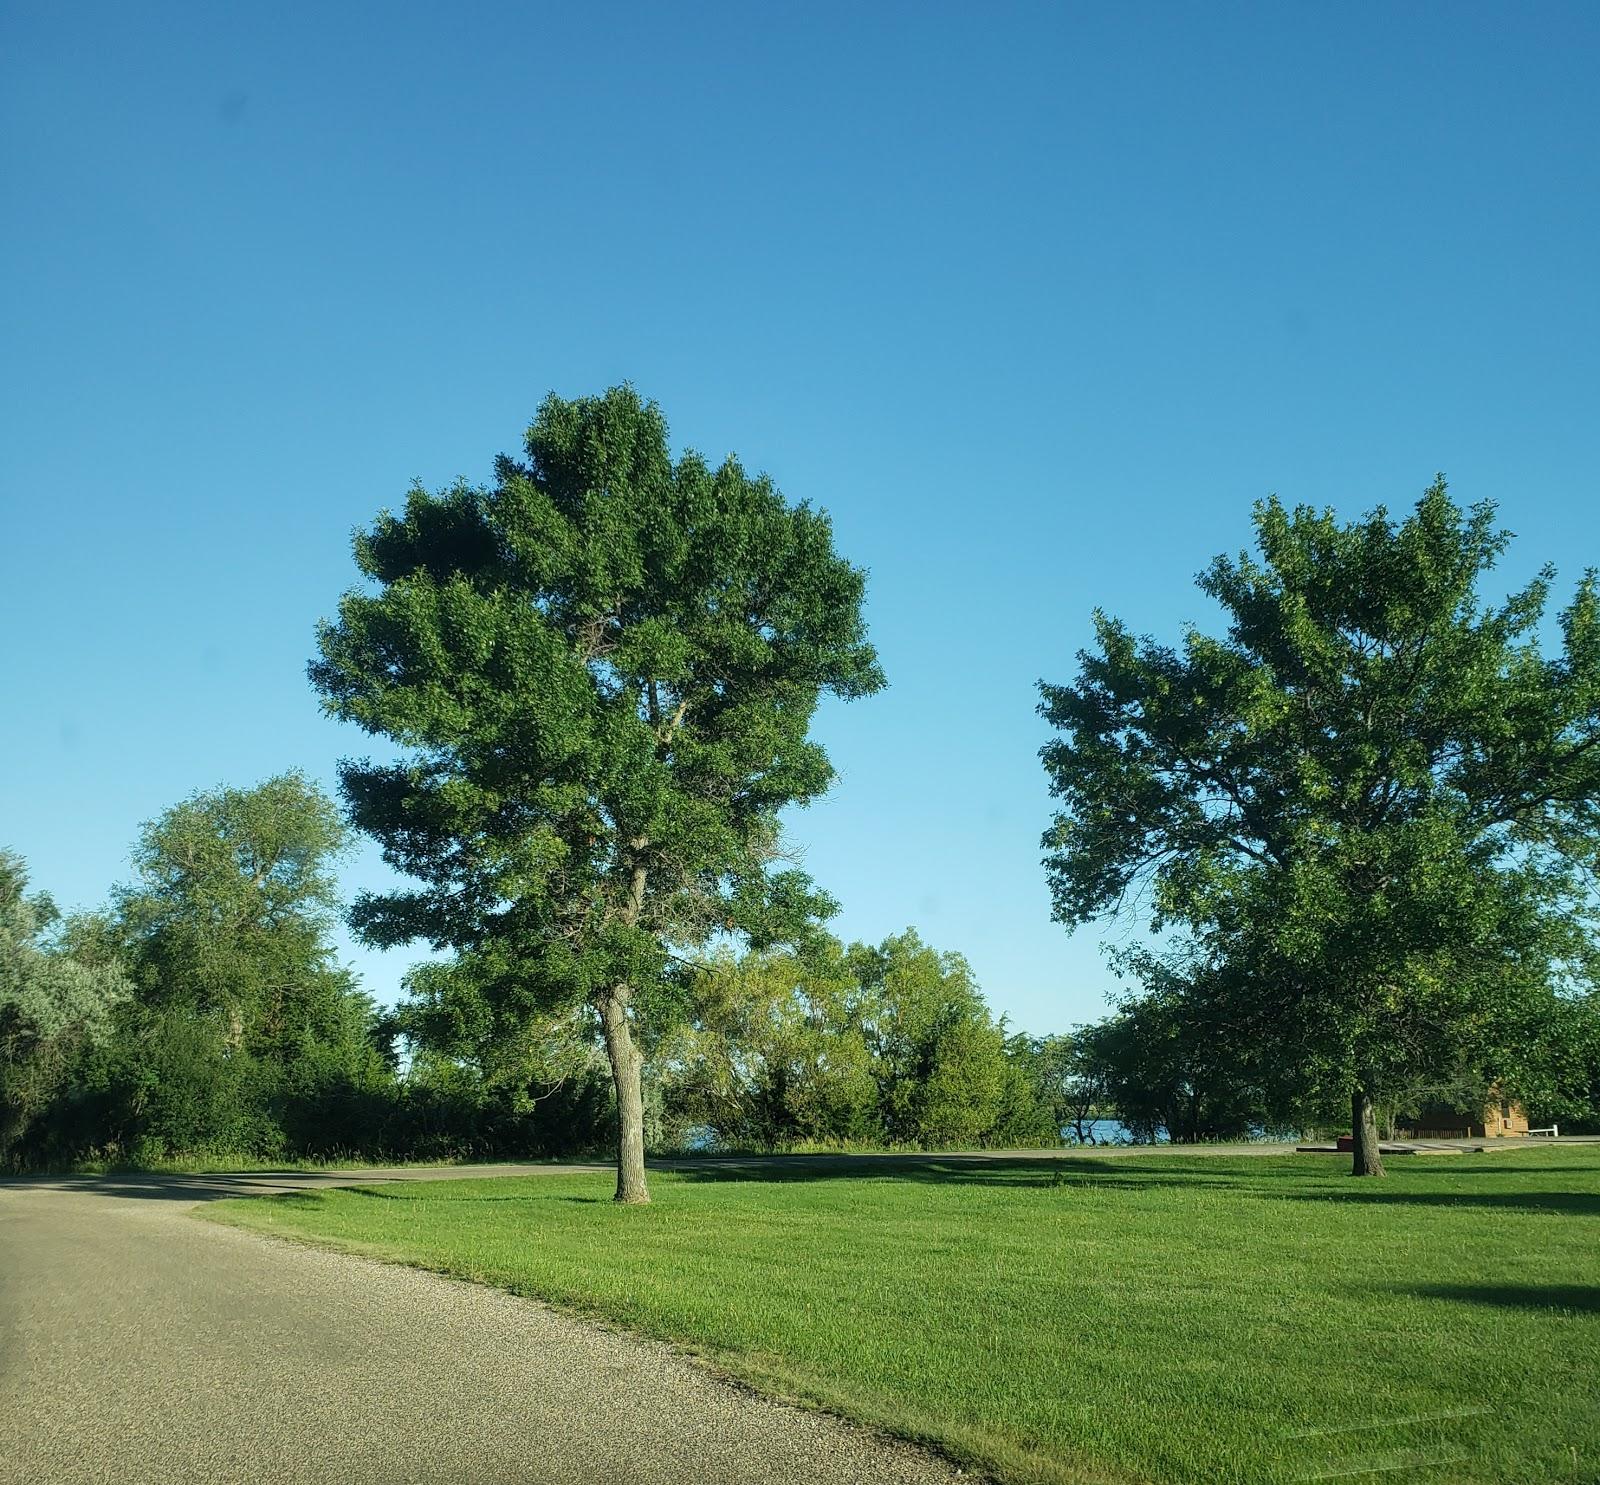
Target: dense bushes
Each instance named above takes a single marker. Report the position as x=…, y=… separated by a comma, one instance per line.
x=232, y=1027
x=54, y=1008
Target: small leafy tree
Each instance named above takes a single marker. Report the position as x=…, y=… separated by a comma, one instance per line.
x=940, y=1057
x=244, y=1031
x=1373, y=801
x=531, y=1083
x=773, y=1052
x=1549, y=1059
x=603, y=670
x=1168, y=1065
x=232, y=905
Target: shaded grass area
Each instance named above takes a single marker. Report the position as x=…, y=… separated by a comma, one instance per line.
x=228, y=1162
x=1150, y=1318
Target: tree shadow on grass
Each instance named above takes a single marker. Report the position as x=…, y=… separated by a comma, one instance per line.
x=304, y=1201
x=983, y=1170
x=1582, y=1299
x=1478, y=1169
x=162, y=1187
x=783, y=1169
x=1417, y=1185
x=220, y=1185
x=439, y=1194
x=1572, y=1203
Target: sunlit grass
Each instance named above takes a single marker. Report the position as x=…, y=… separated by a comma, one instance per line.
x=1156, y=1317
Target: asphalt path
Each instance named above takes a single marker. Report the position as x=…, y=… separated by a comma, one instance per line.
x=139, y=1346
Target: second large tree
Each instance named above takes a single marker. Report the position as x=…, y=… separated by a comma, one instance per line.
x=1374, y=803
x=603, y=670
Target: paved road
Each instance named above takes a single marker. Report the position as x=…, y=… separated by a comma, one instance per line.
x=139, y=1346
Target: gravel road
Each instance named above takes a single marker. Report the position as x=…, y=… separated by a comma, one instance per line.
x=138, y=1345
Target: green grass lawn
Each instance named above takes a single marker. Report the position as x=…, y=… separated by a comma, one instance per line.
x=1168, y=1318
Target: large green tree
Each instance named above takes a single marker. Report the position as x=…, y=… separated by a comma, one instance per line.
x=602, y=671
x=1172, y=1063
x=1373, y=803
x=232, y=904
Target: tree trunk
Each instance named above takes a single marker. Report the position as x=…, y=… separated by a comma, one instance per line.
x=625, y=1073
x=1367, y=1160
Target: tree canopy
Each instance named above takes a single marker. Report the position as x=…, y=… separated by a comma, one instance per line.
x=233, y=900
x=1372, y=802
x=890, y=1043
x=602, y=670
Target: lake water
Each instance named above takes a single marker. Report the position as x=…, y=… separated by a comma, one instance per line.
x=1107, y=1132
x=703, y=1140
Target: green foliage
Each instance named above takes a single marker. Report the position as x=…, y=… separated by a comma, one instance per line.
x=1549, y=1058
x=53, y=1006
x=773, y=1054
x=892, y=1044
x=1032, y=1112
x=231, y=909
x=247, y=1033
x=603, y=669
x=495, y=1082
x=1067, y=1076
x=940, y=1058
x=605, y=665
x=1372, y=805
x=1170, y=1066
x=237, y=1029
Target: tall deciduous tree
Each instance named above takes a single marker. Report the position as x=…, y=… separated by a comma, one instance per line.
x=1374, y=801
x=604, y=668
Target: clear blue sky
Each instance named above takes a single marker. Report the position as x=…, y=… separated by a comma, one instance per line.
x=1036, y=300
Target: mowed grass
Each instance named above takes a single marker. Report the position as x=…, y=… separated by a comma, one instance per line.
x=1165, y=1318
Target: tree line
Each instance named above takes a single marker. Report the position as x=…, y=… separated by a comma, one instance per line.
x=1362, y=825
x=204, y=1011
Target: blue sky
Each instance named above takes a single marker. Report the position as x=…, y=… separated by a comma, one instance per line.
x=1036, y=300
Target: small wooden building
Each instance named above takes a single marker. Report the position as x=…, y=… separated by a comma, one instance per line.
x=1499, y=1116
